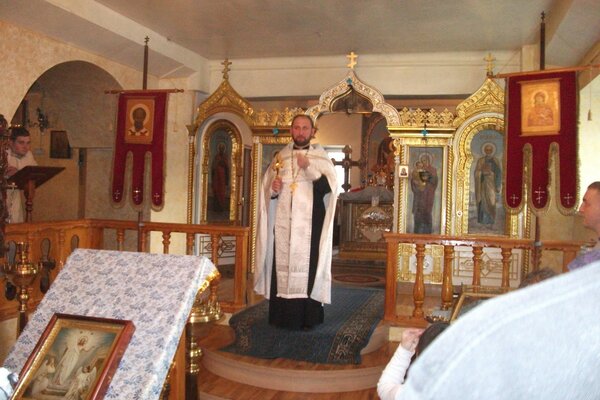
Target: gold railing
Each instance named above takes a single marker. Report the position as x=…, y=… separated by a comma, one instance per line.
x=569, y=251
x=56, y=240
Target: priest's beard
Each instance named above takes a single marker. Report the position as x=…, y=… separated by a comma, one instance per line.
x=300, y=144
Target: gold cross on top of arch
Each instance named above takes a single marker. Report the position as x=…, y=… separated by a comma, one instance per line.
x=352, y=57
x=226, y=63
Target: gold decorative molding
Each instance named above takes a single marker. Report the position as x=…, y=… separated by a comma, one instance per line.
x=462, y=179
x=275, y=118
x=224, y=99
x=403, y=141
x=433, y=263
x=419, y=118
x=328, y=98
x=489, y=98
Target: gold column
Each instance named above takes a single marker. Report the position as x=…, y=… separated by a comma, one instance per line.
x=191, y=156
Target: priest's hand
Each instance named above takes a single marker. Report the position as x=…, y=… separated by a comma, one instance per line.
x=276, y=185
x=303, y=161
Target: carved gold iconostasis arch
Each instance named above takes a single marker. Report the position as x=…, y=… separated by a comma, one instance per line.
x=222, y=138
x=222, y=102
x=344, y=90
x=480, y=114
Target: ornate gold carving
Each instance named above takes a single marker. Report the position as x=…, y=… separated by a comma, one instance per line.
x=375, y=97
x=275, y=117
x=465, y=160
x=224, y=99
x=489, y=98
x=434, y=256
x=419, y=118
x=413, y=138
x=191, y=156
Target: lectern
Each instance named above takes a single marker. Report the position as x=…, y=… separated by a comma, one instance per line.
x=28, y=179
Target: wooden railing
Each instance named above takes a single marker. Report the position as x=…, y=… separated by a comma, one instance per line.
x=568, y=249
x=56, y=240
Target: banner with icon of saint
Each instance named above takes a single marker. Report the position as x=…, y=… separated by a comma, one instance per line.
x=141, y=120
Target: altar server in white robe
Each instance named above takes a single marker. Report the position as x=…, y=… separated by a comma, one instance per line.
x=295, y=228
x=18, y=156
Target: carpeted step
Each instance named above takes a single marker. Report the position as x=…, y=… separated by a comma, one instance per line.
x=298, y=376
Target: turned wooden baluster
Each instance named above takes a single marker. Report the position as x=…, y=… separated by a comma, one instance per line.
x=390, y=281
x=214, y=284
x=506, y=256
x=189, y=244
x=419, y=288
x=143, y=241
x=120, y=239
x=214, y=242
x=63, y=253
x=166, y=241
x=477, y=252
x=447, y=289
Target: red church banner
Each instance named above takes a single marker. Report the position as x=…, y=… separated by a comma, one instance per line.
x=541, y=119
x=141, y=120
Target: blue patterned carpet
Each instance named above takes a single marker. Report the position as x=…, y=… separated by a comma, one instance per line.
x=349, y=322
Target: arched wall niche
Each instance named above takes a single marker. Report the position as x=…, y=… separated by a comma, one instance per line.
x=71, y=95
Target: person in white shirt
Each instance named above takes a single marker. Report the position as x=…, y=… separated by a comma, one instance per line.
x=18, y=156
x=590, y=211
x=412, y=343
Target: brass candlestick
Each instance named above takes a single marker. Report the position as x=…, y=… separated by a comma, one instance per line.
x=21, y=275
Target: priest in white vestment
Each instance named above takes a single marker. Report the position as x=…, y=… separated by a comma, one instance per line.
x=295, y=229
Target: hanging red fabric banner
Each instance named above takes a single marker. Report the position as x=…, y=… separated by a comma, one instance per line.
x=541, y=119
x=141, y=120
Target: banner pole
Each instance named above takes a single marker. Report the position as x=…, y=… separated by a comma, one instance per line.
x=144, y=87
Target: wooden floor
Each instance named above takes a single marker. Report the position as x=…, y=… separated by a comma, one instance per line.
x=212, y=386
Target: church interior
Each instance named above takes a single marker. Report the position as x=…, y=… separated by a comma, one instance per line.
x=410, y=101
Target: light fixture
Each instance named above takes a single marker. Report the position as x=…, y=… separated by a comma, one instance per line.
x=42, y=120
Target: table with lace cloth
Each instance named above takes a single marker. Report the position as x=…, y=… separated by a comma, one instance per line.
x=155, y=291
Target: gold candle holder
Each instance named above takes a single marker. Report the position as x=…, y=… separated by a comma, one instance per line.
x=22, y=274
x=207, y=308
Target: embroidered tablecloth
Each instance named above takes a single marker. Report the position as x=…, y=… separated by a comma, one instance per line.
x=155, y=291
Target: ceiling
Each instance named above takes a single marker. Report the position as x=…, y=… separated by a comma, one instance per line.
x=186, y=33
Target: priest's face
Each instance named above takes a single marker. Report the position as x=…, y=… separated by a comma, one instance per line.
x=590, y=209
x=302, y=130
